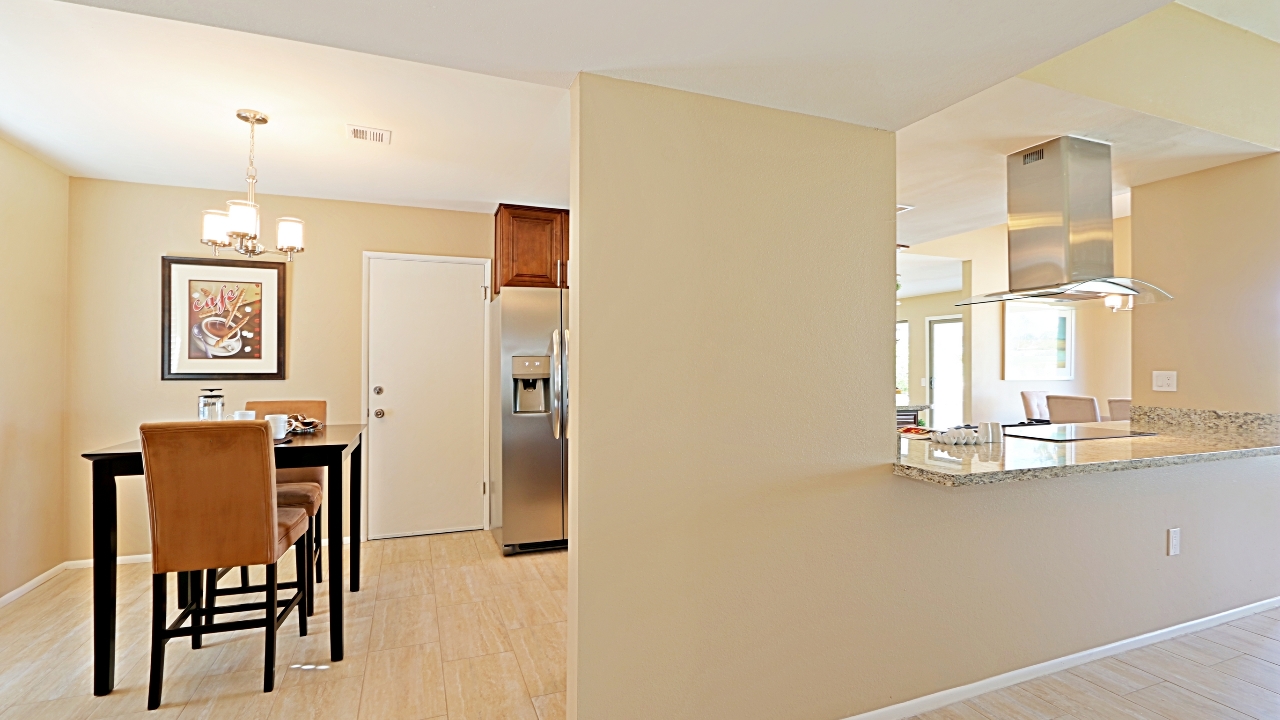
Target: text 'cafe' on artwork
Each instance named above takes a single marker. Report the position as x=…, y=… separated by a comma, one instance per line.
x=225, y=320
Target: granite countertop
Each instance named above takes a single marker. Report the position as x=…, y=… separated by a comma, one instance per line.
x=1023, y=459
x=912, y=408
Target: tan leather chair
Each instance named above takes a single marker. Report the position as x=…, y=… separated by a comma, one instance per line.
x=1034, y=404
x=1072, y=409
x=1119, y=408
x=291, y=491
x=212, y=500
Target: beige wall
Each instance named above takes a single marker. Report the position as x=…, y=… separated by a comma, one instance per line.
x=1212, y=240
x=739, y=546
x=119, y=231
x=1102, y=357
x=733, y=268
x=33, y=275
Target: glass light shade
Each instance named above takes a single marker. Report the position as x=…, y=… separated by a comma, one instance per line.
x=242, y=218
x=289, y=234
x=1118, y=302
x=213, y=229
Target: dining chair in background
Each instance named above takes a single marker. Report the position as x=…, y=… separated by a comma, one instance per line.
x=1034, y=405
x=212, y=500
x=1119, y=408
x=299, y=487
x=1072, y=409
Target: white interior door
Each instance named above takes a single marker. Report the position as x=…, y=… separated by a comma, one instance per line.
x=426, y=375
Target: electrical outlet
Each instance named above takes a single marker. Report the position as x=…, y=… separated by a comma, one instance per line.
x=1175, y=541
x=1164, y=381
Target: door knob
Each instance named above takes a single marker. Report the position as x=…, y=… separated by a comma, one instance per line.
x=377, y=389
x=379, y=413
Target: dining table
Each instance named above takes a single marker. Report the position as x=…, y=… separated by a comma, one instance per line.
x=327, y=447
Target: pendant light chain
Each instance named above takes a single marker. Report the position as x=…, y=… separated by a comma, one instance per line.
x=251, y=173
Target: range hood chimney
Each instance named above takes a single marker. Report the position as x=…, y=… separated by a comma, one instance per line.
x=1060, y=229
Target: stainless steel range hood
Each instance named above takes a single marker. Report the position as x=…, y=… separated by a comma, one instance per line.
x=1060, y=229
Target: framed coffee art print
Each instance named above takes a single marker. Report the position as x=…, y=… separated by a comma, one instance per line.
x=221, y=319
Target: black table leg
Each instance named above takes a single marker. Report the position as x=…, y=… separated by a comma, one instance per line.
x=355, y=515
x=104, y=577
x=336, y=645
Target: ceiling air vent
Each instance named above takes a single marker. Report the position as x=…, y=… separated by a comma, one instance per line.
x=368, y=134
x=1034, y=156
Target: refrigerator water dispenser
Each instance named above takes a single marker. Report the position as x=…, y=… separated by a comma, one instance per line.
x=532, y=387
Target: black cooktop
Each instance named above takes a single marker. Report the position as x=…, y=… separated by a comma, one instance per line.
x=1069, y=433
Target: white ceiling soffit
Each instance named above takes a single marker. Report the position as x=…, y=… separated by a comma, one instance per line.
x=118, y=96
x=927, y=274
x=871, y=62
x=951, y=165
x=1260, y=17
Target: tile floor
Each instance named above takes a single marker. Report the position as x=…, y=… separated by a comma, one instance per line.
x=444, y=628
x=1228, y=672
x=448, y=629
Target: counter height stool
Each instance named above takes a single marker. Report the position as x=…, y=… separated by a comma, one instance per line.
x=1119, y=408
x=1035, y=405
x=291, y=491
x=1072, y=409
x=212, y=498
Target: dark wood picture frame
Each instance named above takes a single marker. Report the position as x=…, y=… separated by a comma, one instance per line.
x=166, y=302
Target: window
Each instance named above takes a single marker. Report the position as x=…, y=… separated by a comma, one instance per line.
x=902, y=362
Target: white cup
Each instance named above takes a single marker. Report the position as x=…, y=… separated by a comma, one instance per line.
x=279, y=426
x=244, y=415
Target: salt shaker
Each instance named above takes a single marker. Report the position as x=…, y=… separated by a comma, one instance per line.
x=990, y=432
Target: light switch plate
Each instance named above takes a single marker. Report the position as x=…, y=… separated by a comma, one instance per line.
x=1164, y=381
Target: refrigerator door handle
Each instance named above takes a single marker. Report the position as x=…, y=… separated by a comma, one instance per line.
x=564, y=386
x=555, y=383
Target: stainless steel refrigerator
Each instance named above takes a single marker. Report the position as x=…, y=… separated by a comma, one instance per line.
x=532, y=486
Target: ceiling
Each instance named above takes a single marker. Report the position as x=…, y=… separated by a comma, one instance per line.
x=870, y=62
x=1260, y=17
x=951, y=165
x=474, y=93
x=112, y=95
x=928, y=274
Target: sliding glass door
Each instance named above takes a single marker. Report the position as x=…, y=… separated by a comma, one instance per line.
x=946, y=371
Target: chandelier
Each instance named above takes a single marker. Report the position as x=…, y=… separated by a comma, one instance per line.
x=237, y=227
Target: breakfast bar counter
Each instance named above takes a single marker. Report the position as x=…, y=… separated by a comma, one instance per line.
x=1023, y=459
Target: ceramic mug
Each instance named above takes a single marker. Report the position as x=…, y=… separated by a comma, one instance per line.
x=244, y=415
x=279, y=425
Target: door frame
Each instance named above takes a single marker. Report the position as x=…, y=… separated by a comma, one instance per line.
x=364, y=362
x=928, y=354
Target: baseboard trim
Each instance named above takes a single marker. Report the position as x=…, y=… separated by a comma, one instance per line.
x=52, y=572
x=32, y=584
x=122, y=560
x=964, y=692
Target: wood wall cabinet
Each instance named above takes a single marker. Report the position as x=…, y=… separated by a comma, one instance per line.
x=531, y=247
